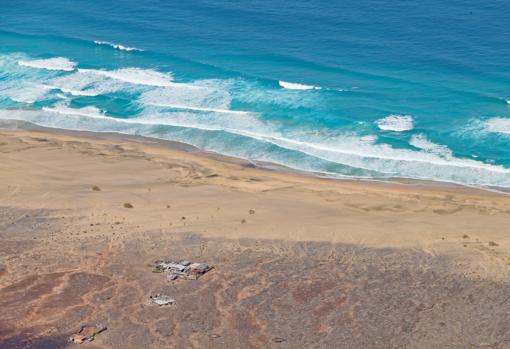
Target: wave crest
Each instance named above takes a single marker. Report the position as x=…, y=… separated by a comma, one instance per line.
x=420, y=141
x=56, y=63
x=498, y=125
x=202, y=96
x=136, y=76
x=296, y=86
x=117, y=46
x=89, y=111
x=397, y=123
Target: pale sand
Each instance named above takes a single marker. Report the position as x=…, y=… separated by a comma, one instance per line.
x=54, y=222
x=58, y=171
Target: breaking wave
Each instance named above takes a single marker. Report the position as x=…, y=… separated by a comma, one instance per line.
x=296, y=86
x=397, y=123
x=85, y=82
x=203, y=96
x=135, y=76
x=117, y=46
x=89, y=111
x=24, y=93
x=420, y=141
x=498, y=125
x=57, y=63
x=187, y=107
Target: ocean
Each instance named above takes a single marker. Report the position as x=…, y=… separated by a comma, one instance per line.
x=371, y=89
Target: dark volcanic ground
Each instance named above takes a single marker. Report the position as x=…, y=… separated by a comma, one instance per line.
x=261, y=294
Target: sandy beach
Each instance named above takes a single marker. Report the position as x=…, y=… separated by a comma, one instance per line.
x=299, y=262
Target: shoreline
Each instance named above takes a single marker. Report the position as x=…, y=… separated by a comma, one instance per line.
x=299, y=261
x=396, y=182
x=228, y=175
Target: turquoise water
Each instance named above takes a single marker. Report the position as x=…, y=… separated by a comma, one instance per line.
x=365, y=89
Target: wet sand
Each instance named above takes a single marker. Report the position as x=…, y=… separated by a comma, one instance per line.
x=300, y=262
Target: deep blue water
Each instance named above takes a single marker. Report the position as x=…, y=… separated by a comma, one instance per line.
x=367, y=88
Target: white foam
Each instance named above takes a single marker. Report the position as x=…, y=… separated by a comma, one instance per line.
x=242, y=124
x=204, y=95
x=180, y=120
x=24, y=92
x=420, y=141
x=72, y=91
x=296, y=86
x=397, y=123
x=369, y=138
x=85, y=82
x=392, y=162
x=135, y=76
x=117, y=46
x=214, y=110
x=89, y=111
x=363, y=150
x=56, y=63
x=254, y=93
x=498, y=125
x=90, y=82
x=346, y=89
